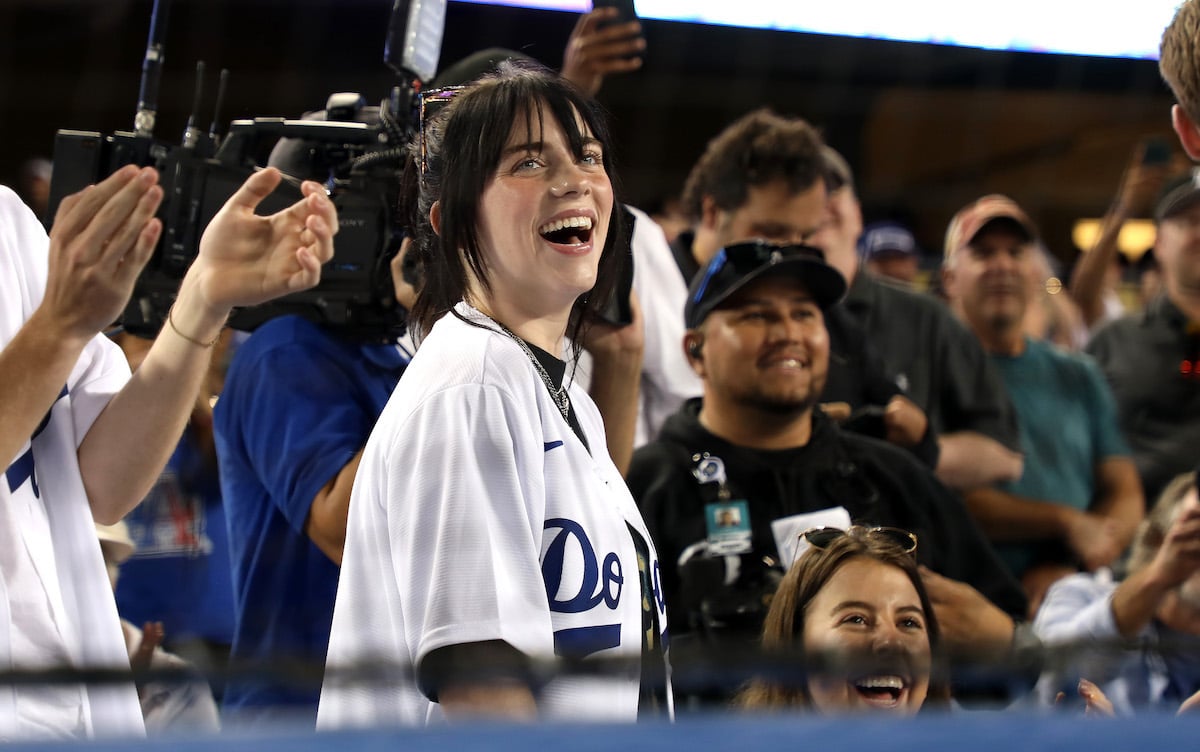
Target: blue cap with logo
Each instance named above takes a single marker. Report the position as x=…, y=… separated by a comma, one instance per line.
x=887, y=238
x=736, y=266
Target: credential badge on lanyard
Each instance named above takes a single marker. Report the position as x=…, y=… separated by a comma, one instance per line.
x=727, y=520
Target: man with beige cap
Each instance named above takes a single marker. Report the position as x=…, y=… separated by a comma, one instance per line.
x=1078, y=500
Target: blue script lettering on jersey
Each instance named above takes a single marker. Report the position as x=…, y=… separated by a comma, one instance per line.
x=581, y=642
x=597, y=583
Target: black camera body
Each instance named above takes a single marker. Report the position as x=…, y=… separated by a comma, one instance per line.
x=361, y=164
x=359, y=153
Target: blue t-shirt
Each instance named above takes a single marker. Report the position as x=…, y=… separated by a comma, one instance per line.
x=299, y=402
x=179, y=572
x=1068, y=424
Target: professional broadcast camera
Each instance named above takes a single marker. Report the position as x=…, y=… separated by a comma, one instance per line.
x=359, y=162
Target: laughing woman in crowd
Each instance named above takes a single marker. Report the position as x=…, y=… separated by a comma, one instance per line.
x=488, y=527
x=854, y=606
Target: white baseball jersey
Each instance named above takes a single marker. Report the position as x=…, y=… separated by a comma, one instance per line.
x=56, y=603
x=477, y=514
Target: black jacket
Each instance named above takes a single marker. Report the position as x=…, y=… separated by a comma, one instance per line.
x=876, y=482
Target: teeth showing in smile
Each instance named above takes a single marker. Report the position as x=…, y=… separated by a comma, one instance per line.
x=790, y=363
x=880, y=690
x=881, y=682
x=570, y=229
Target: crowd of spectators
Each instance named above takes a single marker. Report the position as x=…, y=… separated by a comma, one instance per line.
x=786, y=442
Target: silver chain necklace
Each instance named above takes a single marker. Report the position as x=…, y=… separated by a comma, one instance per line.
x=557, y=393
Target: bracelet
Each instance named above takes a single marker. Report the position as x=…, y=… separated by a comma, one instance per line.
x=193, y=340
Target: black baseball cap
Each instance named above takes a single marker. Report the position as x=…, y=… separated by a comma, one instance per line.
x=1180, y=192
x=736, y=266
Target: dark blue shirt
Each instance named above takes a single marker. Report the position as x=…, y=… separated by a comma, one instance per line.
x=299, y=402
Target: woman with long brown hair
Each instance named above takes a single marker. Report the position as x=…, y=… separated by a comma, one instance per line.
x=853, y=604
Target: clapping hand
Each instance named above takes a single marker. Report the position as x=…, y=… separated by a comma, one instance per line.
x=102, y=237
x=246, y=259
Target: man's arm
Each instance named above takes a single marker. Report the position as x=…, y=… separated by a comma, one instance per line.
x=967, y=459
x=1095, y=539
x=1139, y=185
x=979, y=439
x=102, y=238
x=973, y=628
x=326, y=521
x=330, y=508
x=1119, y=496
x=244, y=259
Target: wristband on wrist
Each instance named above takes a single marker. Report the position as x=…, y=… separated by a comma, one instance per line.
x=193, y=340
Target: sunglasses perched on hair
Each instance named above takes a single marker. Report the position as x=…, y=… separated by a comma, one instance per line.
x=746, y=257
x=432, y=101
x=821, y=537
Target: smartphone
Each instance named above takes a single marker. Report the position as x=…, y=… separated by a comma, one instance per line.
x=626, y=11
x=618, y=310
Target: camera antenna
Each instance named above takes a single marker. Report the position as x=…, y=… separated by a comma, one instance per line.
x=222, y=82
x=147, y=110
x=190, y=135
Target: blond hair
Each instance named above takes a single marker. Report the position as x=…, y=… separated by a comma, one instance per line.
x=1153, y=530
x=1179, y=57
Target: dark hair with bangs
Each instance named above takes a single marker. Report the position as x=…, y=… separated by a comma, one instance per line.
x=783, y=629
x=463, y=147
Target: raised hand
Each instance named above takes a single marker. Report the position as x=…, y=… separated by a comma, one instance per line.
x=906, y=423
x=1097, y=703
x=595, y=50
x=246, y=259
x=152, y=637
x=102, y=237
x=1178, y=557
x=1141, y=182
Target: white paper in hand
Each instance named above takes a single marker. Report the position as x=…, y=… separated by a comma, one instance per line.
x=787, y=531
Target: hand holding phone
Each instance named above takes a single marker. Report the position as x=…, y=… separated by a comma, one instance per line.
x=605, y=41
x=625, y=11
x=1145, y=174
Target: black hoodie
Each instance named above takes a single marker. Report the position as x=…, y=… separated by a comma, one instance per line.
x=876, y=482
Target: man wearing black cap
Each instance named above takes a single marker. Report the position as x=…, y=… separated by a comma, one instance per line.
x=1152, y=358
x=755, y=444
